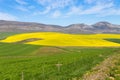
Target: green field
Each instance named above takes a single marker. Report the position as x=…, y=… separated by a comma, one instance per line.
x=30, y=62
x=3, y=35
x=114, y=40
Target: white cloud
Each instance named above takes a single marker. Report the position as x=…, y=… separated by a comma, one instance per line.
x=22, y=2
x=56, y=14
x=89, y=1
x=97, y=1
x=31, y=7
x=52, y=5
x=23, y=5
x=6, y=16
x=74, y=10
x=47, y=10
x=97, y=9
x=56, y=3
x=109, y=12
x=21, y=8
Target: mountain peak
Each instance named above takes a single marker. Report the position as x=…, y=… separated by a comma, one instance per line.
x=82, y=25
x=103, y=23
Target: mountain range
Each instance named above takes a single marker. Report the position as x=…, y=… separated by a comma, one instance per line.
x=100, y=27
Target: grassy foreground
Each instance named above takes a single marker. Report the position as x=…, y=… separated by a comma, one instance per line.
x=35, y=63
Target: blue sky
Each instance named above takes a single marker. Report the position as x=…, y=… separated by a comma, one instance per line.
x=61, y=12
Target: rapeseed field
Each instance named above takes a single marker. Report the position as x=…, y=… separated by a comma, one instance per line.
x=63, y=39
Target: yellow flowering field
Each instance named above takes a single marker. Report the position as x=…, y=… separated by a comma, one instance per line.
x=63, y=39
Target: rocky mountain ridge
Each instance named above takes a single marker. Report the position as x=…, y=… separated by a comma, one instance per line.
x=100, y=27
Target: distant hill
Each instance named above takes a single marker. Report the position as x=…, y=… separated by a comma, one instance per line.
x=100, y=27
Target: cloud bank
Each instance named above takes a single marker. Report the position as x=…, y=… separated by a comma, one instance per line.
x=6, y=16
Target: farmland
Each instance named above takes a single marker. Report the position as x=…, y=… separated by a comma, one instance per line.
x=23, y=61
x=62, y=39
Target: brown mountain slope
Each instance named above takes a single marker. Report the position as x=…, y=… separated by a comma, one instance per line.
x=100, y=27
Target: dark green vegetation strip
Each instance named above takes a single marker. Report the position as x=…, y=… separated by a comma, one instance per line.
x=113, y=40
x=3, y=35
x=71, y=62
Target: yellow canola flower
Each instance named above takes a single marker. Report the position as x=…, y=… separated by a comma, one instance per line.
x=62, y=39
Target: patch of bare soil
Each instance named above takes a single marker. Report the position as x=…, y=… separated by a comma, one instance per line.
x=29, y=40
x=102, y=71
x=49, y=50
